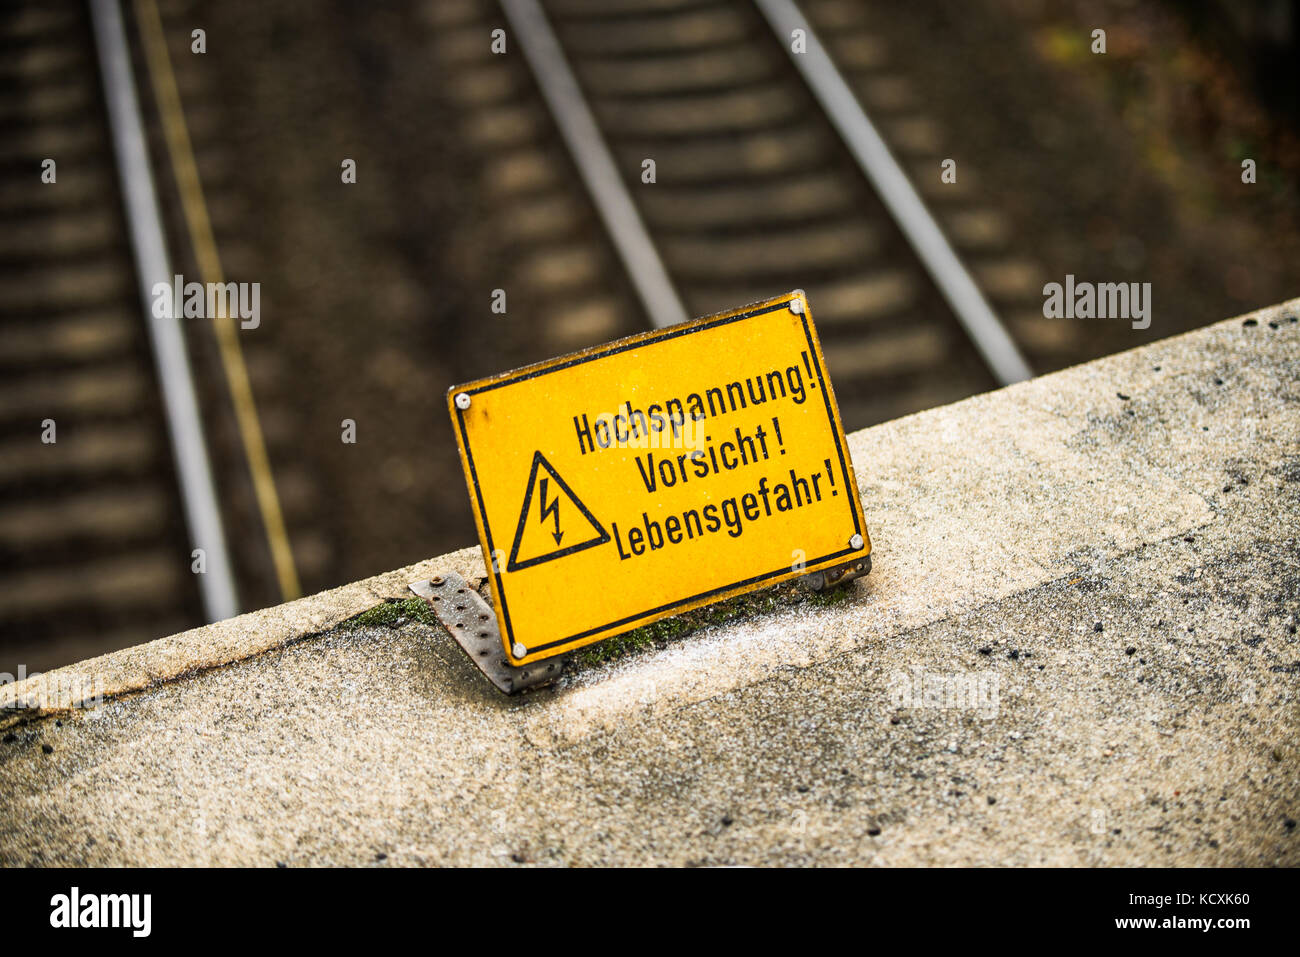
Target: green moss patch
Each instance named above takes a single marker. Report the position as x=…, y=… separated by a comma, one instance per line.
x=392, y=613
x=658, y=634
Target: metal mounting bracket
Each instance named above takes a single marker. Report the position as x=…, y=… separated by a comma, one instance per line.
x=473, y=623
x=830, y=577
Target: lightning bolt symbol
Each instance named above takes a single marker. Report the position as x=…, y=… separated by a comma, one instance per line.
x=552, y=508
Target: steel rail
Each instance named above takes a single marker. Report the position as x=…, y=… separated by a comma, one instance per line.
x=859, y=134
x=595, y=162
x=153, y=265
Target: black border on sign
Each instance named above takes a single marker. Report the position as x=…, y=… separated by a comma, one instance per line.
x=813, y=354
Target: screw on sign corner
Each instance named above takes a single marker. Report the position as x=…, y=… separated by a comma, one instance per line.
x=462, y=401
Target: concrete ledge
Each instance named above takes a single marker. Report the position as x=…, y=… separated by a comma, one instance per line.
x=1077, y=646
x=222, y=643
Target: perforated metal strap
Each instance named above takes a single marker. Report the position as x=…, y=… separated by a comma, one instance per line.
x=473, y=623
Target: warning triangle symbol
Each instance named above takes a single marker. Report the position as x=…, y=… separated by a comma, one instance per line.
x=553, y=521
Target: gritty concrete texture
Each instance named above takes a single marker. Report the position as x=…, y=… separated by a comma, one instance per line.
x=56, y=693
x=1077, y=646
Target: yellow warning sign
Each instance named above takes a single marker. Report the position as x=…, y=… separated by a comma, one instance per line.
x=655, y=474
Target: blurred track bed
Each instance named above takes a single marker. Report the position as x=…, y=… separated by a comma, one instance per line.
x=93, y=549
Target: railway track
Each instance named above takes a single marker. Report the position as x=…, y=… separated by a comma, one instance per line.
x=755, y=188
x=106, y=477
x=93, y=545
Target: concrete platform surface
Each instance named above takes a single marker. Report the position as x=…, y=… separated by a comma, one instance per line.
x=1078, y=646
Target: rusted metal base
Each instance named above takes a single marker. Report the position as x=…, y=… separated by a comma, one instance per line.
x=473, y=623
x=839, y=575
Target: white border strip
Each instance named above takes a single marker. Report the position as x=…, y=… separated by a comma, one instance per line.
x=217, y=586
x=595, y=162
x=897, y=193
